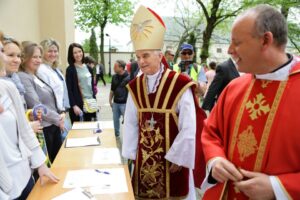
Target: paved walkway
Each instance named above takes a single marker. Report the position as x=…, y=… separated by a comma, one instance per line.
x=105, y=113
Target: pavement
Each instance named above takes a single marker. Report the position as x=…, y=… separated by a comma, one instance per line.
x=102, y=96
x=105, y=113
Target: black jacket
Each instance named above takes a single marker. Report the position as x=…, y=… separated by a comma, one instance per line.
x=225, y=72
x=118, y=87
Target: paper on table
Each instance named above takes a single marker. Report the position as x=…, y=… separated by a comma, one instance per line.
x=112, y=186
x=85, y=125
x=101, y=181
x=106, y=124
x=106, y=156
x=93, y=125
x=75, y=194
x=81, y=142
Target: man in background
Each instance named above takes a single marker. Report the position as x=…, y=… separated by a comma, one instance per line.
x=169, y=55
x=188, y=67
x=225, y=72
x=118, y=93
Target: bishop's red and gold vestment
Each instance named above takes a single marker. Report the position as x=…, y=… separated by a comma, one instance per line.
x=158, y=128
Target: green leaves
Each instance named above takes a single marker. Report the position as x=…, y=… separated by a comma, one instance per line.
x=96, y=13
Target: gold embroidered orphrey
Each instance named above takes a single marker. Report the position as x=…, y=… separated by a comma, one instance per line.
x=257, y=106
x=247, y=143
x=265, y=83
x=152, y=172
x=142, y=30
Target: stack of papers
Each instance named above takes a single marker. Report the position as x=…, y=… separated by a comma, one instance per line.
x=106, y=156
x=100, y=181
x=81, y=142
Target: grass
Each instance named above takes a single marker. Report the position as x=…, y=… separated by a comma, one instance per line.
x=107, y=78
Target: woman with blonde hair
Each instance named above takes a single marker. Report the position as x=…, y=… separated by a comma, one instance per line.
x=39, y=92
x=12, y=50
x=51, y=74
x=19, y=149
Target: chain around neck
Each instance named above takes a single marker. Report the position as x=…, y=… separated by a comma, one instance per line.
x=155, y=83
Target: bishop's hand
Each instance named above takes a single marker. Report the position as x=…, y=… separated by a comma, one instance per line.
x=174, y=168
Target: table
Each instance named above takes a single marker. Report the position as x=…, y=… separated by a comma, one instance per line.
x=51, y=190
x=83, y=155
x=80, y=158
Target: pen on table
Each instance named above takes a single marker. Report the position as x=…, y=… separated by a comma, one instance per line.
x=101, y=172
x=88, y=194
x=98, y=130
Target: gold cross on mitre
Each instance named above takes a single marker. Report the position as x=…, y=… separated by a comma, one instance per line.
x=147, y=30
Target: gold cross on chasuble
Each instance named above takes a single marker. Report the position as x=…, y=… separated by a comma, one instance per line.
x=151, y=122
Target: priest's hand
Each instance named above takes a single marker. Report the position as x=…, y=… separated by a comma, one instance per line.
x=257, y=186
x=223, y=170
x=174, y=168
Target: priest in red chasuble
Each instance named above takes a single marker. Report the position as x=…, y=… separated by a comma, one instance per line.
x=251, y=139
x=160, y=118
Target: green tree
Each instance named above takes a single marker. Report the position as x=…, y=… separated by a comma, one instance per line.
x=192, y=40
x=290, y=10
x=215, y=12
x=97, y=13
x=189, y=21
x=93, y=46
x=86, y=45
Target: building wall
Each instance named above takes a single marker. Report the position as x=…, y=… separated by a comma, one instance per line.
x=20, y=19
x=125, y=56
x=35, y=20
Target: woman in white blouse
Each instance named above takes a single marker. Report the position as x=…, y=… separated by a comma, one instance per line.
x=20, y=151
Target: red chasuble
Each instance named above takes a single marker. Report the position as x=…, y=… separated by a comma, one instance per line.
x=255, y=125
x=158, y=127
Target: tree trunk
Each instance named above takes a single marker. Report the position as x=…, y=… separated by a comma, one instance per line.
x=102, y=60
x=206, y=42
x=181, y=41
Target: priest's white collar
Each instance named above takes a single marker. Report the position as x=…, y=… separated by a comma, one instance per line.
x=278, y=75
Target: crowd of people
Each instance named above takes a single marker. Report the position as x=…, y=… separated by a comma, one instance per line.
x=245, y=149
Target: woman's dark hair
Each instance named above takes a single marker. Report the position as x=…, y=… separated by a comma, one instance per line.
x=71, y=59
x=89, y=60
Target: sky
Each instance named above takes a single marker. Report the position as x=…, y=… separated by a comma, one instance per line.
x=120, y=35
